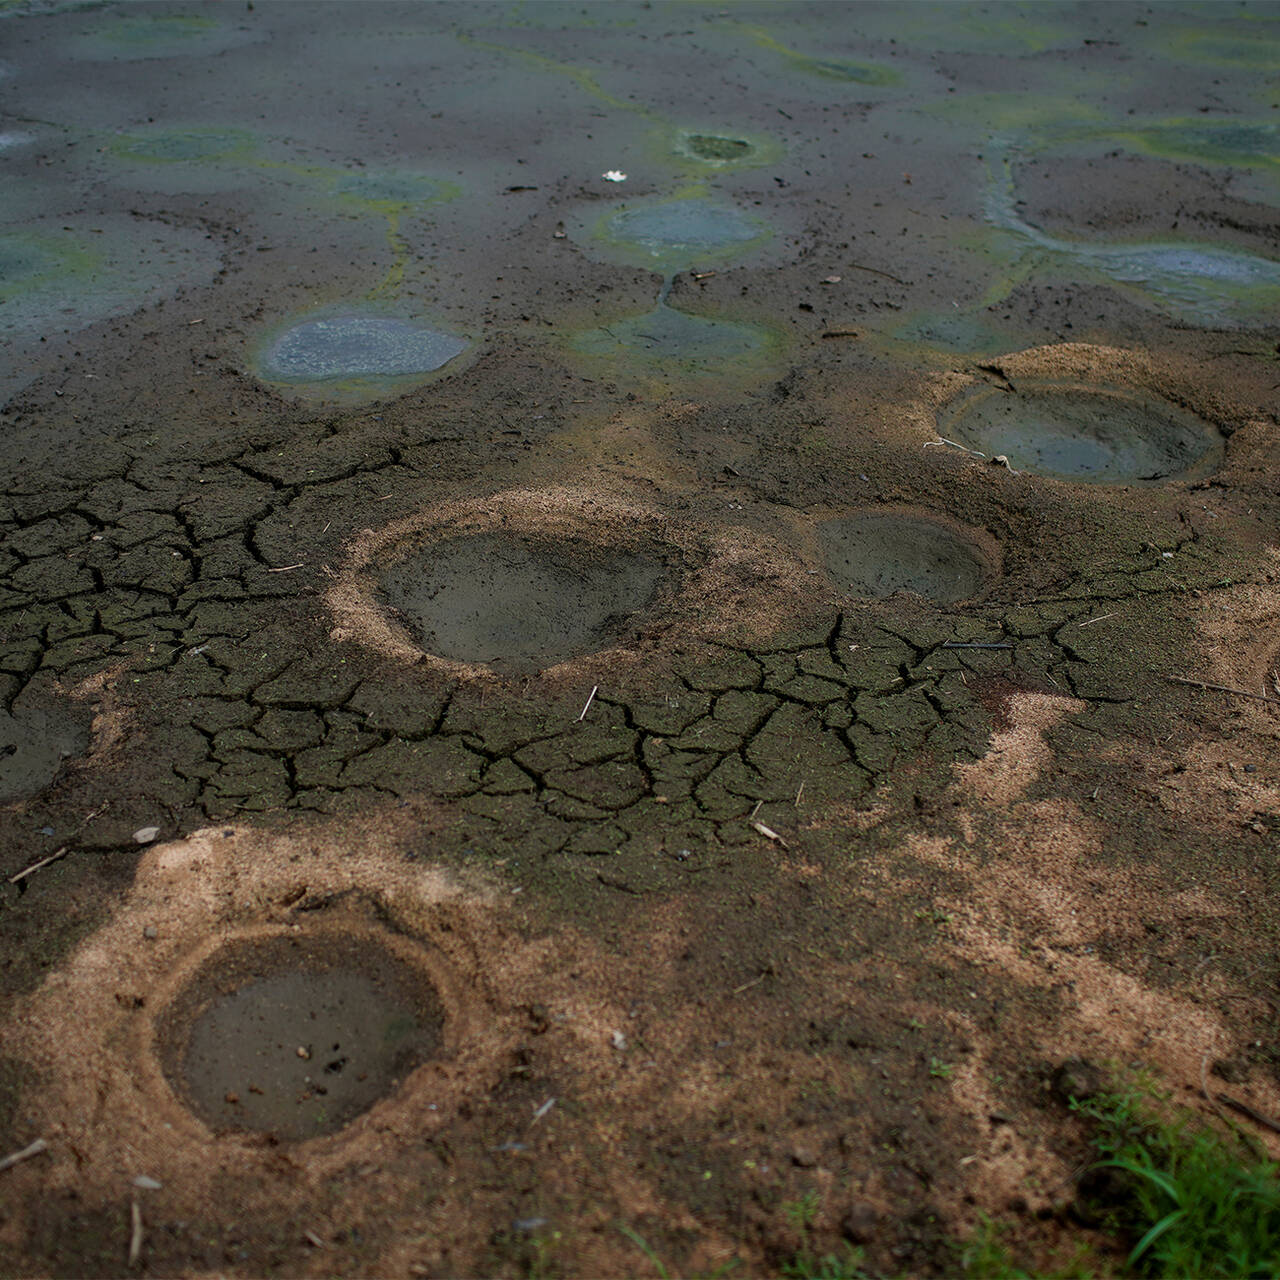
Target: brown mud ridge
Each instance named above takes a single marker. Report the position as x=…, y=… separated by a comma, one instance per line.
x=597, y=800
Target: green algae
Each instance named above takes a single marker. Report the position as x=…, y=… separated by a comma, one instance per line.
x=31, y=261
x=838, y=69
x=1253, y=51
x=1030, y=116
x=711, y=148
x=1009, y=28
x=60, y=278
x=192, y=145
x=1235, y=143
x=587, y=81
x=1201, y=284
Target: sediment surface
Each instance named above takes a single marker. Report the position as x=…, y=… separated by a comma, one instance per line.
x=488, y=673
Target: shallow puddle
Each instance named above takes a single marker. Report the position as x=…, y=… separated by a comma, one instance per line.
x=297, y=1037
x=878, y=554
x=519, y=604
x=353, y=347
x=675, y=235
x=1094, y=436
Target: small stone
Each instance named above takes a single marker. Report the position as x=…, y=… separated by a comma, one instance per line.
x=618, y=1040
x=145, y=1183
x=803, y=1158
x=145, y=835
x=1076, y=1079
x=303, y=1052
x=151, y=933
x=858, y=1225
x=232, y=1098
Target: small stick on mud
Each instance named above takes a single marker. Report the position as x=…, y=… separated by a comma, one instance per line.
x=1246, y=1110
x=799, y=793
x=770, y=834
x=1221, y=688
x=967, y=644
x=289, y=567
x=595, y=688
x=135, y=1236
x=542, y=1110
x=26, y=1153
x=1204, y=1086
x=857, y=266
x=35, y=866
x=1100, y=618
x=755, y=982
x=933, y=444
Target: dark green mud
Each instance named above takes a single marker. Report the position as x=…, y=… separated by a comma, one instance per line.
x=790, y=802
x=877, y=555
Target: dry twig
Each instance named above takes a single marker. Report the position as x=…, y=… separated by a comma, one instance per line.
x=34, y=1149
x=1221, y=688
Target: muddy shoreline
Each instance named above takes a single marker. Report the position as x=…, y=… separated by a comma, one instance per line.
x=736, y=544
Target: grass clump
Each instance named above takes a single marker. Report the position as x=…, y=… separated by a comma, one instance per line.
x=807, y=1264
x=1197, y=1200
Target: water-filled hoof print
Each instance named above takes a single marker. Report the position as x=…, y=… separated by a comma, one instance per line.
x=878, y=553
x=528, y=580
x=297, y=1034
x=520, y=603
x=1095, y=435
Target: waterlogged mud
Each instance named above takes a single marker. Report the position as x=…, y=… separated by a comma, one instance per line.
x=515, y=605
x=296, y=1036
x=879, y=554
x=1087, y=435
x=682, y=599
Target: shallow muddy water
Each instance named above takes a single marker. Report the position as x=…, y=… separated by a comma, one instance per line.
x=749, y=530
x=519, y=604
x=296, y=1039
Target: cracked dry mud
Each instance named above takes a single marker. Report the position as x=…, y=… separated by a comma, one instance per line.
x=561, y=695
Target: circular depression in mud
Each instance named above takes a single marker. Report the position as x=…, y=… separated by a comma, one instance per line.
x=1085, y=434
x=297, y=1035
x=517, y=602
x=879, y=553
x=341, y=347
